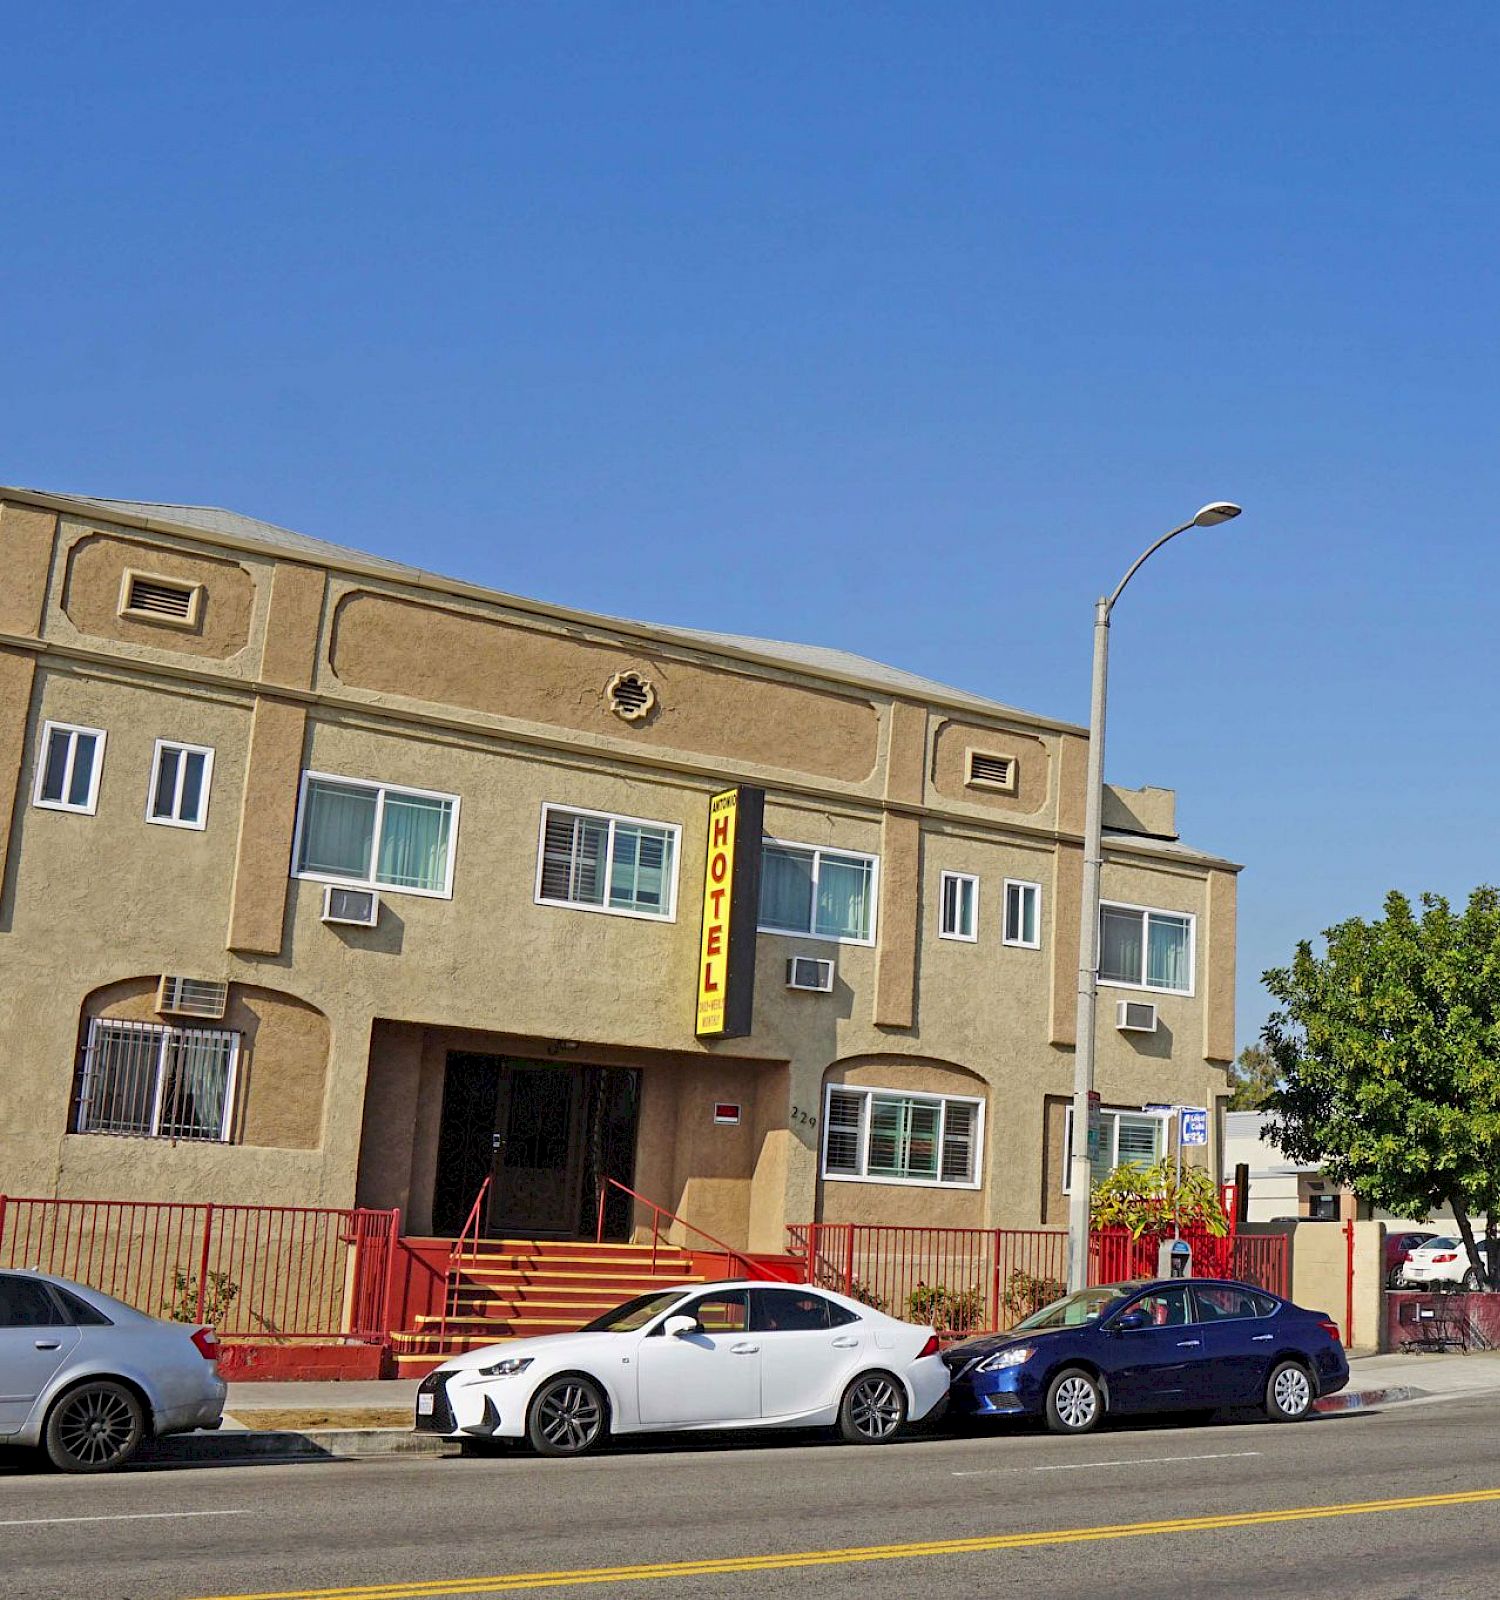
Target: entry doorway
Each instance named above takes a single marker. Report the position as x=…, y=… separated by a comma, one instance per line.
x=546, y=1133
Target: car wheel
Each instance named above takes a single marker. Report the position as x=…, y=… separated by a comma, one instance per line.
x=1471, y=1282
x=1393, y=1278
x=567, y=1417
x=1289, y=1392
x=873, y=1410
x=1075, y=1402
x=94, y=1428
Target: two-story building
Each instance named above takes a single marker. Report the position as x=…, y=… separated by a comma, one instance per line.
x=327, y=880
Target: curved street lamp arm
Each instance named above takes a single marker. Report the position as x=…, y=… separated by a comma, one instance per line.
x=1140, y=561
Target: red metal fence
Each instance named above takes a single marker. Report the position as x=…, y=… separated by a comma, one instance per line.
x=980, y=1280
x=270, y=1274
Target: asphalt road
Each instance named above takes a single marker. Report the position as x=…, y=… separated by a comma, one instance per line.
x=1271, y=1511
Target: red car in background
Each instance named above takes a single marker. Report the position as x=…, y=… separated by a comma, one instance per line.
x=1398, y=1246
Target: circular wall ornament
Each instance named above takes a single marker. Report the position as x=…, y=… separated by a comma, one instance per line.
x=631, y=696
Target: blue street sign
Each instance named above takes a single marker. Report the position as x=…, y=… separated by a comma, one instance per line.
x=1192, y=1126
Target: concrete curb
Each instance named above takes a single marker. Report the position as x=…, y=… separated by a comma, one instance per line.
x=232, y=1444
x=1363, y=1399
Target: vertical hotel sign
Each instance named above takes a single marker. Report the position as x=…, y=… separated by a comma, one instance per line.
x=731, y=908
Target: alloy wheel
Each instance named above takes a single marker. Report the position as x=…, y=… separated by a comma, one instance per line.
x=1076, y=1401
x=1292, y=1391
x=569, y=1417
x=876, y=1408
x=95, y=1427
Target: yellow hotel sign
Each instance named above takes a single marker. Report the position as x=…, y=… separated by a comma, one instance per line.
x=731, y=895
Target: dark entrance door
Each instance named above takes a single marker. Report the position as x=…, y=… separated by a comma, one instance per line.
x=546, y=1134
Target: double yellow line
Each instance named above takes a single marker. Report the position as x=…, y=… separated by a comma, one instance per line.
x=506, y=1583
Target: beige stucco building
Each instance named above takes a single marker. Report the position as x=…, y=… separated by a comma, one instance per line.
x=211, y=729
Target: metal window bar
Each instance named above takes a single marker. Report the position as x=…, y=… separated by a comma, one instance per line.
x=151, y=1081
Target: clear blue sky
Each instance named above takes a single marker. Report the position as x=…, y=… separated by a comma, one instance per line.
x=893, y=327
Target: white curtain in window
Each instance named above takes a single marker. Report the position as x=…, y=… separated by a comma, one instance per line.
x=1167, y=952
x=338, y=830
x=1120, y=944
x=414, y=842
x=641, y=870
x=786, y=889
x=843, y=898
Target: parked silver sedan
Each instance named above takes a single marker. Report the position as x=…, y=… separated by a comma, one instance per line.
x=86, y=1378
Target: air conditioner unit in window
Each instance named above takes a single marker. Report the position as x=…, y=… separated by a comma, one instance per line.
x=1135, y=1016
x=191, y=997
x=808, y=972
x=359, y=908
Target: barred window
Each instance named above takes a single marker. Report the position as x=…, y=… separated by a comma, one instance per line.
x=157, y=1082
x=887, y=1137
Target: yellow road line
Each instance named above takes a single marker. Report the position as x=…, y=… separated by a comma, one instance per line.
x=504, y=1583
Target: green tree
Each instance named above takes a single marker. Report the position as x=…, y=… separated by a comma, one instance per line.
x=1149, y=1200
x=1387, y=1049
x=1252, y=1079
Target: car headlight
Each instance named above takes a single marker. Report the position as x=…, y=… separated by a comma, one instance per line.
x=507, y=1368
x=1016, y=1356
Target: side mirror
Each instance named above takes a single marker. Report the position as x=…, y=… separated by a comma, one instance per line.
x=1129, y=1321
x=677, y=1327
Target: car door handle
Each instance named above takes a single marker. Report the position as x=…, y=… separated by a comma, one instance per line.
x=743, y=1349
x=1261, y=1338
x=845, y=1344
x=48, y=1344
x=1188, y=1344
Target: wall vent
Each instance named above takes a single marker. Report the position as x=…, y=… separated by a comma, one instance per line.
x=152, y=598
x=988, y=771
x=809, y=972
x=359, y=908
x=191, y=997
x=1135, y=1016
x=632, y=697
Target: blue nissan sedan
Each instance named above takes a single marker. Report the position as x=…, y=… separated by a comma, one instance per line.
x=1184, y=1345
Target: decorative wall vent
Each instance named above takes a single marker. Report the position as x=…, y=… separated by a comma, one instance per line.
x=632, y=697
x=191, y=997
x=988, y=771
x=148, y=597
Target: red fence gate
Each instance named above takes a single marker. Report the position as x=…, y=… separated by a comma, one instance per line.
x=272, y=1274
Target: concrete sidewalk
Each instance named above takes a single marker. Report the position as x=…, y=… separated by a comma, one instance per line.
x=300, y=1420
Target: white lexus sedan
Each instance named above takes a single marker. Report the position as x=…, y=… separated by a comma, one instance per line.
x=707, y=1355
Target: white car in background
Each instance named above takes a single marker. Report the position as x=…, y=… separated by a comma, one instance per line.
x=740, y=1354
x=86, y=1378
x=1441, y=1264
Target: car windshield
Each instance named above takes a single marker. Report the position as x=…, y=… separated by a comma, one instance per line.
x=1088, y=1305
x=633, y=1314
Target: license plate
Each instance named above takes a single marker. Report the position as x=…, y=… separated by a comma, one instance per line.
x=424, y=1405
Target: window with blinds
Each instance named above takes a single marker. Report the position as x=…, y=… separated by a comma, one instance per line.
x=158, y=1082
x=596, y=862
x=884, y=1136
x=958, y=909
x=375, y=836
x=1126, y=1139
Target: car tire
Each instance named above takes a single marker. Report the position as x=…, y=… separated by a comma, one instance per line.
x=95, y=1427
x=1471, y=1282
x=567, y=1416
x=873, y=1410
x=1289, y=1392
x=1393, y=1278
x=1075, y=1401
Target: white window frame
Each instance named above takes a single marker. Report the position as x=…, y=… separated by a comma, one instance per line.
x=381, y=789
x=176, y=820
x=818, y=851
x=943, y=881
x=869, y=1091
x=74, y=728
x=1021, y=944
x=167, y=1033
x=668, y=914
x=1150, y=911
x=1164, y=1118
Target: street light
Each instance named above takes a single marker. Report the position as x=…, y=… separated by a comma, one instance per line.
x=1079, y=1171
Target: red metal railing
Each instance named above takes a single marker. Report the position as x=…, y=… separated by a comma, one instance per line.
x=468, y=1236
x=751, y=1267
x=980, y=1280
x=271, y=1273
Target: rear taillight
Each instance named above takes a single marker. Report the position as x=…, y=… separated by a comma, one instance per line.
x=1332, y=1330
x=1450, y=1255
x=207, y=1342
x=931, y=1348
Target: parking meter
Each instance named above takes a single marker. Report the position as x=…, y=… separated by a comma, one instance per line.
x=1174, y=1259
